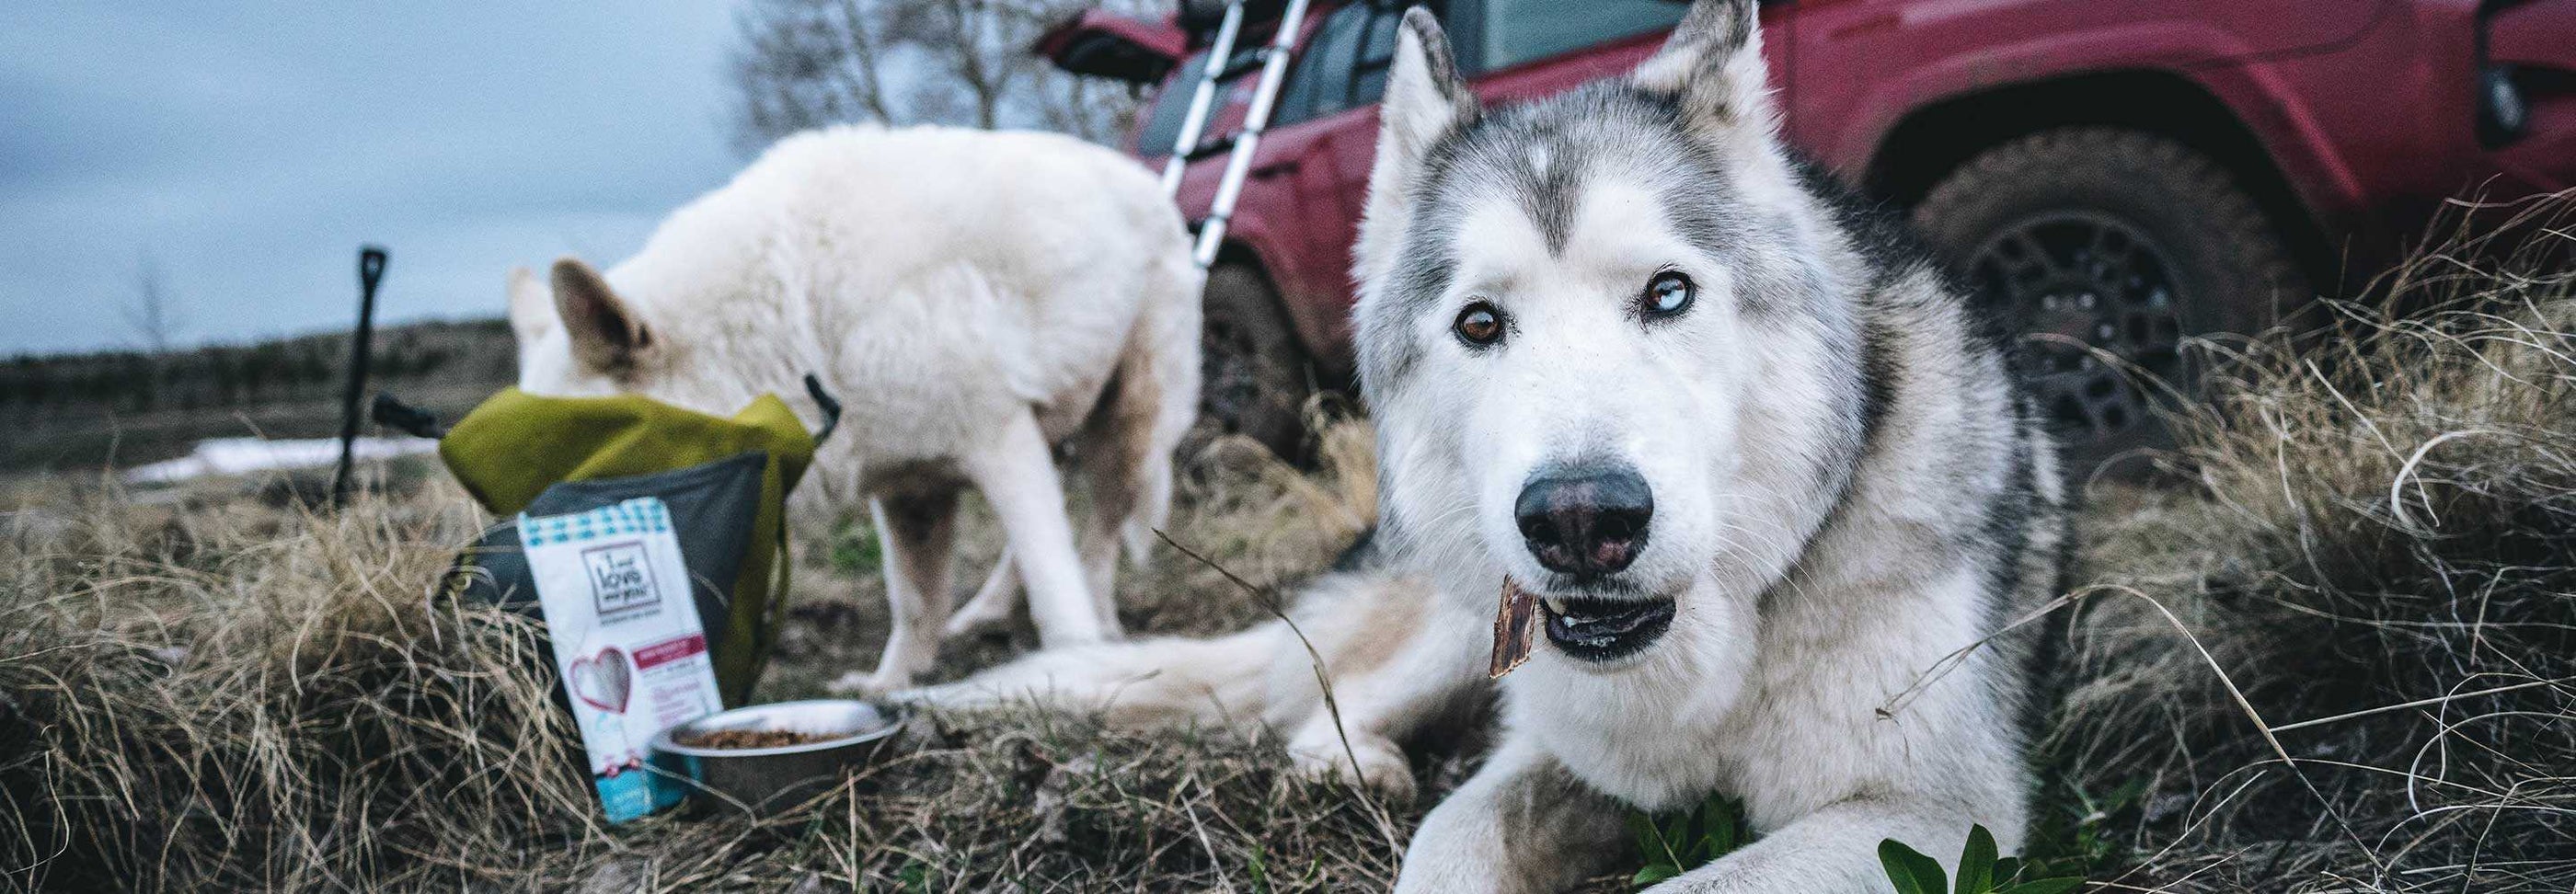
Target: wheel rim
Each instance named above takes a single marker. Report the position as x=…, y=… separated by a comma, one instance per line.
x=2079, y=285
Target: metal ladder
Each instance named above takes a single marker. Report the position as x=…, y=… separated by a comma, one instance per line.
x=1242, y=144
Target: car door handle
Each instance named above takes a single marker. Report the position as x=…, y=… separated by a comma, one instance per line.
x=1275, y=170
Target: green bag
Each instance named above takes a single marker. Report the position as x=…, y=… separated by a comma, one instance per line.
x=517, y=448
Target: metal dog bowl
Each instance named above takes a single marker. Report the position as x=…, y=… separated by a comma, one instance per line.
x=767, y=779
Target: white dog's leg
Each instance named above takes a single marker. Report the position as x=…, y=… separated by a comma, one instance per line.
x=1522, y=825
x=1112, y=477
x=918, y=532
x=1099, y=550
x=1110, y=473
x=993, y=601
x=1017, y=474
x=1126, y=446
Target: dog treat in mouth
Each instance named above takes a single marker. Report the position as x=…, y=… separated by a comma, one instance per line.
x=751, y=738
x=1515, y=629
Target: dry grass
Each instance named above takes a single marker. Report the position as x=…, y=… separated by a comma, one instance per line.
x=2366, y=565
x=2367, y=679
x=218, y=692
x=241, y=696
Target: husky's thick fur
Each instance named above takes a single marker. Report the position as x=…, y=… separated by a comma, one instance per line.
x=1769, y=481
x=973, y=299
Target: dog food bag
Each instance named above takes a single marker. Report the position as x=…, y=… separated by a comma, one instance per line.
x=627, y=640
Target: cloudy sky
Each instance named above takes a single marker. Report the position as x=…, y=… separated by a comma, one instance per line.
x=247, y=147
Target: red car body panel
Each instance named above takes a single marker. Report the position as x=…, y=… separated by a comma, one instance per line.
x=1103, y=44
x=2540, y=38
x=2313, y=83
x=2365, y=112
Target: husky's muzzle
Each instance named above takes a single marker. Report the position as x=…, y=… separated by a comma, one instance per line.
x=1586, y=525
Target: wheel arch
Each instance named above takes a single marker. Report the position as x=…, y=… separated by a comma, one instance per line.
x=1932, y=141
x=1309, y=331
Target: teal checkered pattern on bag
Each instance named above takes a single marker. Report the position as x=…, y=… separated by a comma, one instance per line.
x=642, y=515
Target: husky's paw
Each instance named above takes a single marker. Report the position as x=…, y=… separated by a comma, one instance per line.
x=1371, y=762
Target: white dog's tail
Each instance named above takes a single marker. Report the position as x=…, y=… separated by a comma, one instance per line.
x=1150, y=682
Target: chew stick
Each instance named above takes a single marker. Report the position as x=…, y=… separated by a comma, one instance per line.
x=1515, y=630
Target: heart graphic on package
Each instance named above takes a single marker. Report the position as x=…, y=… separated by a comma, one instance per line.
x=603, y=680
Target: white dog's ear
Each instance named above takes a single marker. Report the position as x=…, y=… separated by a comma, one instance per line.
x=532, y=306
x=1712, y=65
x=1426, y=101
x=606, y=334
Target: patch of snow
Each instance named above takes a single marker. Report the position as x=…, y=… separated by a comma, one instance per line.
x=242, y=456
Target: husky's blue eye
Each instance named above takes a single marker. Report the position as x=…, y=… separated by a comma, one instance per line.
x=1669, y=293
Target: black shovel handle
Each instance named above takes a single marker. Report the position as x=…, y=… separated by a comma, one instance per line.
x=823, y=399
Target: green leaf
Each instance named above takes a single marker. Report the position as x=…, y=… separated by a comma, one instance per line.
x=2007, y=869
x=2044, y=886
x=1677, y=842
x=1977, y=862
x=1654, y=873
x=1677, y=833
x=1651, y=841
x=1909, y=870
x=1723, y=820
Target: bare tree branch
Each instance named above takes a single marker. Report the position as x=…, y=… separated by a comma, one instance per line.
x=154, y=314
x=802, y=64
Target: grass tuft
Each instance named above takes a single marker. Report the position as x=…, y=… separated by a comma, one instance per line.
x=2341, y=655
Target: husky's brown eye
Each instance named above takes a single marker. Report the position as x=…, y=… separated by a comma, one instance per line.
x=1479, y=325
x=1667, y=294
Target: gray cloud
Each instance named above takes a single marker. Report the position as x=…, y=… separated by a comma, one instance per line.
x=249, y=147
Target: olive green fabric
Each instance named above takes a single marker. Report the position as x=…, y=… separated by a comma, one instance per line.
x=517, y=444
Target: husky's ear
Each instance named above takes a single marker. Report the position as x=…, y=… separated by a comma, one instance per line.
x=1425, y=102
x=606, y=334
x=532, y=307
x=1713, y=66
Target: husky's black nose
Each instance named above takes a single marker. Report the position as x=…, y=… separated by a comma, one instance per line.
x=1585, y=521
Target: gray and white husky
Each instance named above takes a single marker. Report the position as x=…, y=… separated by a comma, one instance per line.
x=1753, y=467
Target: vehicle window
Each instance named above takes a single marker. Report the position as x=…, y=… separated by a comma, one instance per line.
x=1342, y=67
x=1321, y=84
x=1171, y=105
x=1517, y=31
x=1345, y=65
x=1368, y=80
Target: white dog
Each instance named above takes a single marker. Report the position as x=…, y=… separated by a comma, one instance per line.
x=974, y=299
x=1734, y=469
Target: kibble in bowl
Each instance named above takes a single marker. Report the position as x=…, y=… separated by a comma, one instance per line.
x=768, y=758
x=745, y=738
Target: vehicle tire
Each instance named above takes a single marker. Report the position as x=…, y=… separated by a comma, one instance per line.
x=2102, y=238
x=1256, y=375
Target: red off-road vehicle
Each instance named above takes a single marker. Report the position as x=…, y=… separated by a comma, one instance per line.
x=2119, y=174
